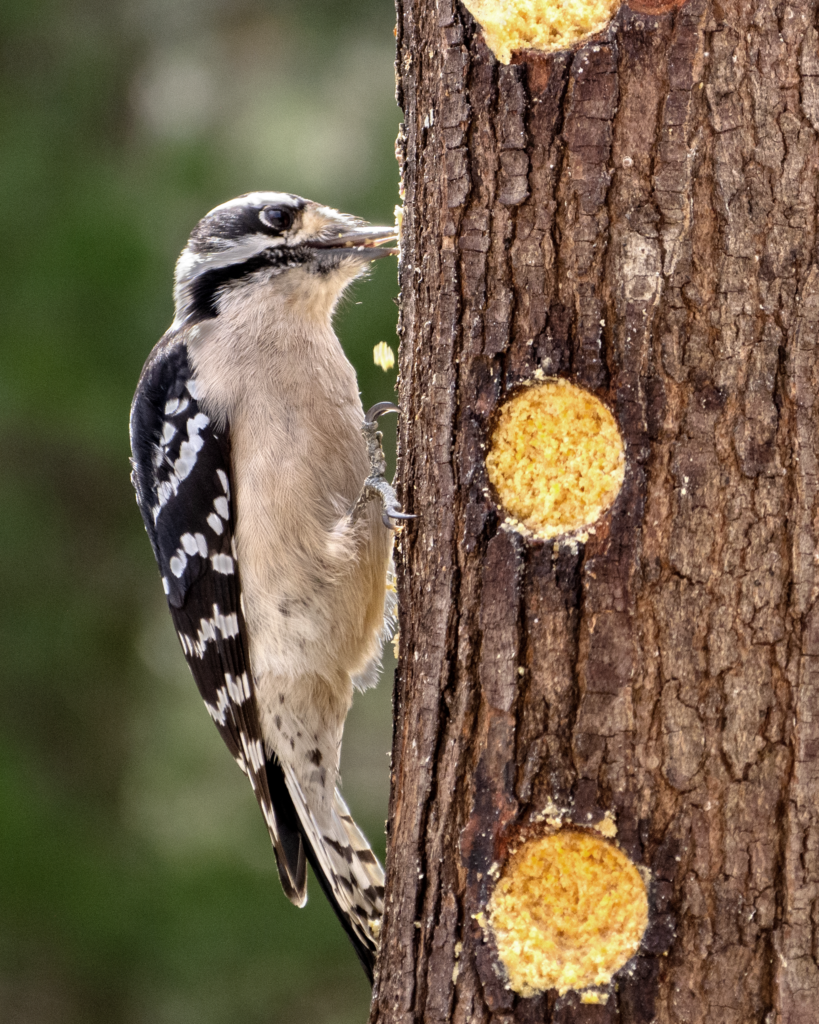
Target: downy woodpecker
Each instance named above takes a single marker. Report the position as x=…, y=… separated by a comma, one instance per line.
x=261, y=484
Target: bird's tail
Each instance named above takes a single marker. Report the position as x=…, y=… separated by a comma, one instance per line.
x=345, y=865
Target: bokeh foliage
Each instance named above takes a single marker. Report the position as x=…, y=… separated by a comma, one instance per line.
x=136, y=879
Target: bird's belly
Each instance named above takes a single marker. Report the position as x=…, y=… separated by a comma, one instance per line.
x=313, y=585
x=311, y=634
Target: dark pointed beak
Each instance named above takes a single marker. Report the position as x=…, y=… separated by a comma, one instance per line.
x=363, y=242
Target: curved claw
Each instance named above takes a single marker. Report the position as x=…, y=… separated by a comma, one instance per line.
x=389, y=514
x=379, y=409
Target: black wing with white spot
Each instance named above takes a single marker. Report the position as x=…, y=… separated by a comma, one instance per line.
x=182, y=476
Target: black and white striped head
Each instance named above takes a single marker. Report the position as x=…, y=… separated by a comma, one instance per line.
x=259, y=237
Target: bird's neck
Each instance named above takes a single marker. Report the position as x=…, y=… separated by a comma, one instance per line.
x=261, y=348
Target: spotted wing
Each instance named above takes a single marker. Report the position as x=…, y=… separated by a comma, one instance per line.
x=182, y=476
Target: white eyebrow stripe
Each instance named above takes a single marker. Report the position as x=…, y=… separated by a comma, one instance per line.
x=191, y=263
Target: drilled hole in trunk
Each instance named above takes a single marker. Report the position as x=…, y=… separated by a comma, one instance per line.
x=568, y=912
x=546, y=25
x=556, y=458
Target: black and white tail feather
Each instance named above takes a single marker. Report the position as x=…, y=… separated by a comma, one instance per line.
x=183, y=480
x=342, y=856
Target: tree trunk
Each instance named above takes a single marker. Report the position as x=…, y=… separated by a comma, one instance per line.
x=637, y=215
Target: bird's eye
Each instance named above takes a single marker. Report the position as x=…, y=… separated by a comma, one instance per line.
x=277, y=218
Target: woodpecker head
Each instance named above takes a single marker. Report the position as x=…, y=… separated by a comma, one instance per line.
x=275, y=240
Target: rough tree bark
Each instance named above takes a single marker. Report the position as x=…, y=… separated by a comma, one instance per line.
x=639, y=216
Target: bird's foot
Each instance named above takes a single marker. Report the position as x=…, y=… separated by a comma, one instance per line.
x=376, y=485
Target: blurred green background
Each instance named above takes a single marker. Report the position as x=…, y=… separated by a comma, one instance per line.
x=137, y=883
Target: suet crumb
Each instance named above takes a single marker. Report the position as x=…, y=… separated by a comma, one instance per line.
x=383, y=356
x=546, y=25
x=606, y=826
x=569, y=911
x=556, y=459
